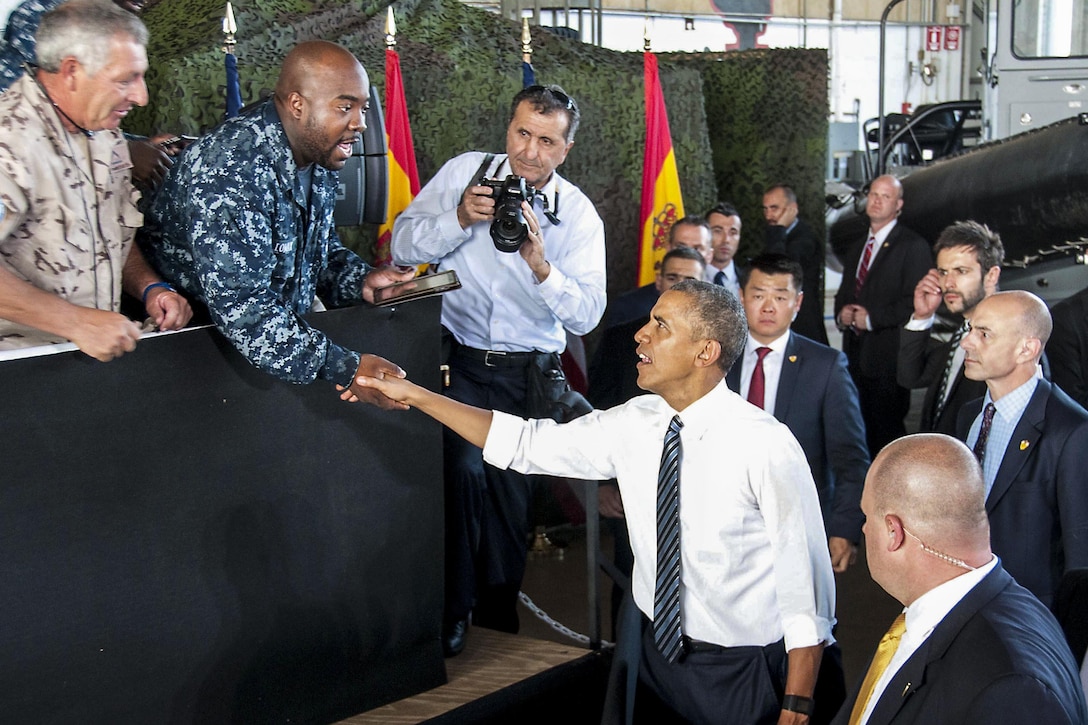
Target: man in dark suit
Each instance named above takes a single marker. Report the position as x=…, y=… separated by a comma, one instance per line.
x=806, y=386
x=1068, y=346
x=1033, y=447
x=972, y=646
x=875, y=298
x=691, y=231
x=790, y=235
x=722, y=269
x=969, y=258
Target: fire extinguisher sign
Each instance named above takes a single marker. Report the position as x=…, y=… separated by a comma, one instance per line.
x=934, y=34
x=952, y=37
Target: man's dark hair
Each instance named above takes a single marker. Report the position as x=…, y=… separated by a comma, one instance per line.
x=987, y=243
x=716, y=314
x=548, y=100
x=691, y=220
x=775, y=263
x=684, y=253
x=724, y=208
x=791, y=195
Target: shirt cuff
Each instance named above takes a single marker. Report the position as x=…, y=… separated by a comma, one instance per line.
x=502, y=439
x=340, y=365
x=915, y=325
x=553, y=285
x=804, y=631
x=450, y=228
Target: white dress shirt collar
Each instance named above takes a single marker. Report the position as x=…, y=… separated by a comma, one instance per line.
x=923, y=616
x=772, y=368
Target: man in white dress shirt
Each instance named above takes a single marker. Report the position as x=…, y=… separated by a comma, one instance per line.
x=506, y=325
x=756, y=590
x=972, y=645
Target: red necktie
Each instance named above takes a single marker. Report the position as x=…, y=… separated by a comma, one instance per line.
x=755, y=389
x=863, y=268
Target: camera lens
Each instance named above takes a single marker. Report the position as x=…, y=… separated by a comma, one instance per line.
x=509, y=230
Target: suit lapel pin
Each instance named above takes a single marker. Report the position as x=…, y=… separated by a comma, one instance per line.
x=905, y=689
x=793, y=358
x=1024, y=445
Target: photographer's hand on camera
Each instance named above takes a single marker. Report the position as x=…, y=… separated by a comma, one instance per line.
x=532, y=249
x=477, y=205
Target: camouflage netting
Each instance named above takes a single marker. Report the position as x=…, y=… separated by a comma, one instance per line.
x=765, y=115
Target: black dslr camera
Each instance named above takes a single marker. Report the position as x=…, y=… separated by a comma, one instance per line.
x=509, y=230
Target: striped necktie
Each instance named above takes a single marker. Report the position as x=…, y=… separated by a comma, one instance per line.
x=889, y=643
x=863, y=268
x=941, y=399
x=667, y=633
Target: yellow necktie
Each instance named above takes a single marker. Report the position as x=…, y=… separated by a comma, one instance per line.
x=889, y=643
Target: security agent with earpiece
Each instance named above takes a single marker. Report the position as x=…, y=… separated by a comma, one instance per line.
x=67, y=206
x=507, y=325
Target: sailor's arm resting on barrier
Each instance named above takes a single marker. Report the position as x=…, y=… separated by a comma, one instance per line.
x=102, y=334
x=469, y=422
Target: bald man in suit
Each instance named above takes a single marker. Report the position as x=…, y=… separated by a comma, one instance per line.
x=972, y=645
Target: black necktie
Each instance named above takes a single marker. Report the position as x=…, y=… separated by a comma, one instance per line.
x=667, y=632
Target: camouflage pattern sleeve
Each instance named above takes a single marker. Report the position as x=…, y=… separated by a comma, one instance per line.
x=241, y=242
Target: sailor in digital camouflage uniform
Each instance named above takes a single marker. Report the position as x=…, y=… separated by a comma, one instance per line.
x=67, y=205
x=244, y=221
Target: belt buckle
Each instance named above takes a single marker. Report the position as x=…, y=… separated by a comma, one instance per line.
x=489, y=353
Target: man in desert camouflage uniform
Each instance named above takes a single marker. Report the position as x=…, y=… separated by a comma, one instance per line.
x=67, y=211
x=244, y=222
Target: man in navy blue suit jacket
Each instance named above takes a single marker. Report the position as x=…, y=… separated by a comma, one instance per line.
x=1034, y=453
x=813, y=395
x=807, y=387
x=977, y=647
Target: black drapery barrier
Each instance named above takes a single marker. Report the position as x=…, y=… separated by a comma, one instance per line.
x=185, y=539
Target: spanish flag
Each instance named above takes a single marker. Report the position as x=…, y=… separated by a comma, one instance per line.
x=403, y=175
x=661, y=201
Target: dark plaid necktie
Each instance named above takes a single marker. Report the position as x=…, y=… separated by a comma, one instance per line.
x=984, y=432
x=667, y=633
x=941, y=398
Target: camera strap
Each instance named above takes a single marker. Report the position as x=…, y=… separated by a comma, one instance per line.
x=482, y=173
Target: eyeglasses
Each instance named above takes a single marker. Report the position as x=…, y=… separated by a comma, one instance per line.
x=566, y=101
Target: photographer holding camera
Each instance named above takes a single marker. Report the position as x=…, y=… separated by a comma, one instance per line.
x=528, y=247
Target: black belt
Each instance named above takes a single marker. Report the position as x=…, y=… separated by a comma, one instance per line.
x=497, y=358
x=691, y=646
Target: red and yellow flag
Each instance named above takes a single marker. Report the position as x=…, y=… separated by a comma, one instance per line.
x=403, y=176
x=661, y=201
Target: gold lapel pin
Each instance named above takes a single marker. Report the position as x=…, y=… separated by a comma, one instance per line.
x=905, y=688
x=1024, y=445
x=793, y=358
